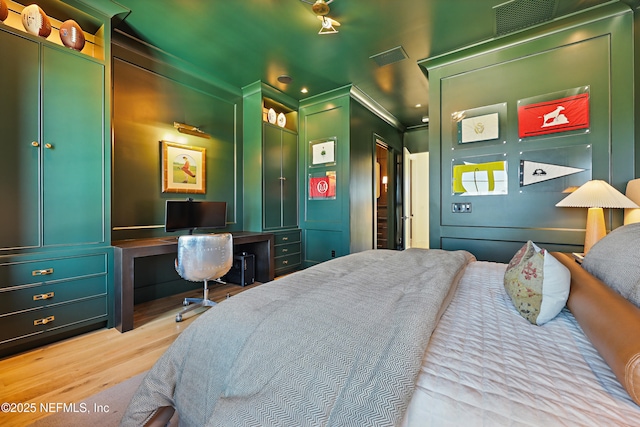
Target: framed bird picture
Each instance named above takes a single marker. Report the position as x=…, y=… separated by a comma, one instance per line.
x=183, y=168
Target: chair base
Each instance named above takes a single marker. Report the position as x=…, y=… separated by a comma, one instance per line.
x=192, y=304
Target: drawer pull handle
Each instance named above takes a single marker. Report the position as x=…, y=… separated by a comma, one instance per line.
x=45, y=272
x=284, y=239
x=285, y=262
x=44, y=321
x=43, y=296
x=285, y=250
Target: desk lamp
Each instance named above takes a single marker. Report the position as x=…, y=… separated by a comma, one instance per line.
x=595, y=195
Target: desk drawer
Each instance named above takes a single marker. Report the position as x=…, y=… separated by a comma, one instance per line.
x=50, y=318
x=50, y=270
x=289, y=249
x=18, y=299
x=287, y=262
x=285, y=237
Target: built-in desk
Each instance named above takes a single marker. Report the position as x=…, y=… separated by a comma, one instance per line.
x=126, y=252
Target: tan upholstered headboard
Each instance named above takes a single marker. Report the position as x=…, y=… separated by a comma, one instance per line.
x=611, y=323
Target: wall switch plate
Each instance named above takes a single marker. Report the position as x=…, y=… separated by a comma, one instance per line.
x=461, y=207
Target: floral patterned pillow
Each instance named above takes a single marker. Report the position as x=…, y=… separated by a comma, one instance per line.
x=537, y=283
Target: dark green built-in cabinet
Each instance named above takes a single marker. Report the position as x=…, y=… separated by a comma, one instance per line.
x=271, y=173
x=280, y=173
x=54, y=254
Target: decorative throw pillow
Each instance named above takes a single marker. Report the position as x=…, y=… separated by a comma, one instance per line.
x=537, y=283
x=614, y=260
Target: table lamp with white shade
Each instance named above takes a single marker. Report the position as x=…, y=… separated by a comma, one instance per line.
x=632, y=192
x=596, y=195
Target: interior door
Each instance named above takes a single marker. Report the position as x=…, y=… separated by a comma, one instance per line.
x=73, y=151
x=407, y=215
x=20, y=159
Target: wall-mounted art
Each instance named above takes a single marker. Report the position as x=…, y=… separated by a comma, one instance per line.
x=323, y=152
x=322, y=186
x=480, y=178
x=554, y=169
x=183, y=168
x=482, y=124
x=555, y=112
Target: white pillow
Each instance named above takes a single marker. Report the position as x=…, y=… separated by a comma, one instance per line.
x=537, y=283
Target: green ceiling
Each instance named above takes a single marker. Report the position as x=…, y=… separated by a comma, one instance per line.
x=242, y=41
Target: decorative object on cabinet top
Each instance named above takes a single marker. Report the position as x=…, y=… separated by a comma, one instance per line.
x=4, y=10
x=271, y=116
x=54, y=25
x=35, y=21
x=72, y=35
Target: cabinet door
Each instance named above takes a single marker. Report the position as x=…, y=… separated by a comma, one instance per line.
x=73, y=166
x=19, y=128
x=272, y=177
x=290, y=183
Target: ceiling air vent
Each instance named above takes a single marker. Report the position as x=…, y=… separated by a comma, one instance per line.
x=516, y=15
x=389, y=56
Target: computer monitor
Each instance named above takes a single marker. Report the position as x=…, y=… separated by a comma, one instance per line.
x=191, y=214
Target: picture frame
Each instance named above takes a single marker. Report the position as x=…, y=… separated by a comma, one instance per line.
x=183, y=168
x=480, y=126
x=322, y=152
x=322, y=186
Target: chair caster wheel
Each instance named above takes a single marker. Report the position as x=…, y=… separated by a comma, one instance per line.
x=179, y=318
x=185, y=303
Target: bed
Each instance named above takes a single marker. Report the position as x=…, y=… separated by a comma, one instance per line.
x=414, y=338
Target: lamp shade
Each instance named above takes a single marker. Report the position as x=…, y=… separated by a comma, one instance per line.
x=596, y=194
x=632, y=192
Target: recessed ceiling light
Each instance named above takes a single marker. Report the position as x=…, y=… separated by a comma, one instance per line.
x=285, y=79
x=425, y=119
x=418, y=105
x=304, y=90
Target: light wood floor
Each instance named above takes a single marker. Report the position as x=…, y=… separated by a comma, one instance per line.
x=72, y=370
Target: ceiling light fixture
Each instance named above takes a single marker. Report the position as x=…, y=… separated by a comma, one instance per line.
x=319, y=7
x=328, y=25
x=304, y=90
x=284, y=79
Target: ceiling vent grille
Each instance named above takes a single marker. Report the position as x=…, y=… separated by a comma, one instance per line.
x=390, y=56
x=519, y=14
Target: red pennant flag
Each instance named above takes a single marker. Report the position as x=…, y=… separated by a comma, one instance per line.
x=559, y=115
x=321, y=188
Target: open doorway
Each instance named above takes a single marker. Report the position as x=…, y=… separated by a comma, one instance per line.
x=382, y=208
x=416, y=199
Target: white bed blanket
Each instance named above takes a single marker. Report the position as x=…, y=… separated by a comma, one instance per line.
x=487, y=366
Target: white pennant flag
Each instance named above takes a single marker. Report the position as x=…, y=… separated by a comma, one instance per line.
x=535, y=172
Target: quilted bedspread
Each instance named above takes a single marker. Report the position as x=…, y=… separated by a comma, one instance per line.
x=336, y=344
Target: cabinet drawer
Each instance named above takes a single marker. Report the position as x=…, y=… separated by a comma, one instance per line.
x=289, y=249
x=33, y=297
x=49, y=318
x=287, y=261
x=287, y=237
x=50, y=270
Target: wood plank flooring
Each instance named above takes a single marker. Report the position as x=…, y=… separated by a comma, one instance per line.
x=72, y=370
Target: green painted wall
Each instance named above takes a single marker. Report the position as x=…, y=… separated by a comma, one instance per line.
x=417, y=140
x=342, y=225
x=593, y=49
x=148, y=97
x=325, y=223
x=365, y=128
